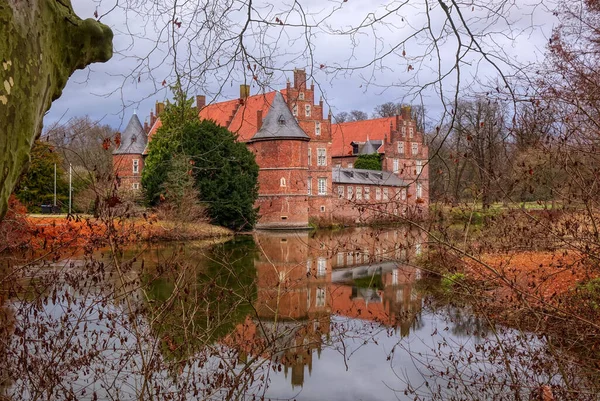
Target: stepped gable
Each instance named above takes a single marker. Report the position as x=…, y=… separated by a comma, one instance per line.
x=279, y=123
x=133, y=139
x=359, y=131
x=358, y=176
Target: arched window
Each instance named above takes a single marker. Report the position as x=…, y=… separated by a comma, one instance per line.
x=282, y=182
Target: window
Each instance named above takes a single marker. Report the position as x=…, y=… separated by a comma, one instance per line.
x=295, y=110
x=322, y=209
x=403, y=194
x=340, y=259
x=307, y=110
x=401, y=147
x=377, y=193
x=350, y=192
x=338, y=165
x=282, y=182
x=350, y=165
x=308, y=265
x=358, y=193
x=301, y=96
x=136, y=166
x=341, y=191
x=322, y=186
x=309, y=186
x=321, y=157
x=321, y=267
x=396, y=166
x=320, y=301
x=419, y=190
x=386, y=195
x=419, y=167
x=411, y=132
x=317, y=128
x=415, y=148
x=135, y=185
x=309, y=156
x=404, y=130
x=367, y=193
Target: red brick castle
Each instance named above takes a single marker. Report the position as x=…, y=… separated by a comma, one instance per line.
x=306, y=161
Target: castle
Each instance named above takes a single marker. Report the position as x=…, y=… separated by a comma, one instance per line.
x=306, y=162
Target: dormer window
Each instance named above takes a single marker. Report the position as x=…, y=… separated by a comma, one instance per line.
x=281, y=120
x=354, y=148
x=301, y=96
x=133, y=138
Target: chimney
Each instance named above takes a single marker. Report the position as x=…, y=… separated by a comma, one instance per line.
x=152, y=118
x=146, y=127
x=259, y=119
x=160, y=107
x=397, y=124
x=244, y=91
x=312, y=85
x=200, y=102
x=299, y=79
x=406, y=113
x=287, y=85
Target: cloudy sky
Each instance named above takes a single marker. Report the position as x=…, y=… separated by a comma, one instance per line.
x=360, y=53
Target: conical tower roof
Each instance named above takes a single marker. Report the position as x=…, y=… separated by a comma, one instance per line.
x=279, y=123
x=133, y=139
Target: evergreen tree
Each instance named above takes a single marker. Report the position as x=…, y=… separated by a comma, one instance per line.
x=224, y=170
x=36, y=185
x=368, y=162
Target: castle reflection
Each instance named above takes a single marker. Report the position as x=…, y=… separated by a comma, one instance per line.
x=303, y=280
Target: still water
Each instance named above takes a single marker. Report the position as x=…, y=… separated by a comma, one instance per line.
x=342, y=315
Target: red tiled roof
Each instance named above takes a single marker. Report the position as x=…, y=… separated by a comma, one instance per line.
x=358, y=131
x=236, y=115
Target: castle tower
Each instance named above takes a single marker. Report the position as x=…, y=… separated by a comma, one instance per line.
x=301, y=100
x=280, y=147
x=128, y=160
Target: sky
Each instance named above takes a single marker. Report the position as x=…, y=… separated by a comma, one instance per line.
x=360, y=53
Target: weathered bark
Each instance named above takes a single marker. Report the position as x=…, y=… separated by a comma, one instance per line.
x=42, y=42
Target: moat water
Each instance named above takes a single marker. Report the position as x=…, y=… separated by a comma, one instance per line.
x=345, y=315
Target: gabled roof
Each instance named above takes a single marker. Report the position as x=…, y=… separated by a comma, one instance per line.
x=359, y=131
x=133, y=139
x=279, y=123
x=370, y=147
x=366, y=177
x=237, y=115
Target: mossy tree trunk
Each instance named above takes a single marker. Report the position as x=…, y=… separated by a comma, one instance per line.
x=42, y=42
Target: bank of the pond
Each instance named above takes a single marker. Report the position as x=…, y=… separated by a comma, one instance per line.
x=42, y=232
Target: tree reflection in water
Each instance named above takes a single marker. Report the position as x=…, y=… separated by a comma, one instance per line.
x=331, y=315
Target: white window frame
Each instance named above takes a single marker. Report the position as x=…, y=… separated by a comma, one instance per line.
x=415, y=148
x=404, y=130
x=350, y=165
x=378, y=193
x=322, y=185
x=419, y=166
x=301, y=96
x=340, y=259
x=359, y=193
x=340, y=191
x=317, y=128
x=350, y=192
x=295, y=110
x=320, y=297
x=386, y=194
x=135, y=186
x=396, y=166
x=321, y=157
x=309, y=186
x=401, y=147
x=321, y=267
x=367, y=193
x=282, y=182
x=419, y=191
x=309, y=156
x=411, y=132
x=307, y=110
x=135, y=168
x=403, y=194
